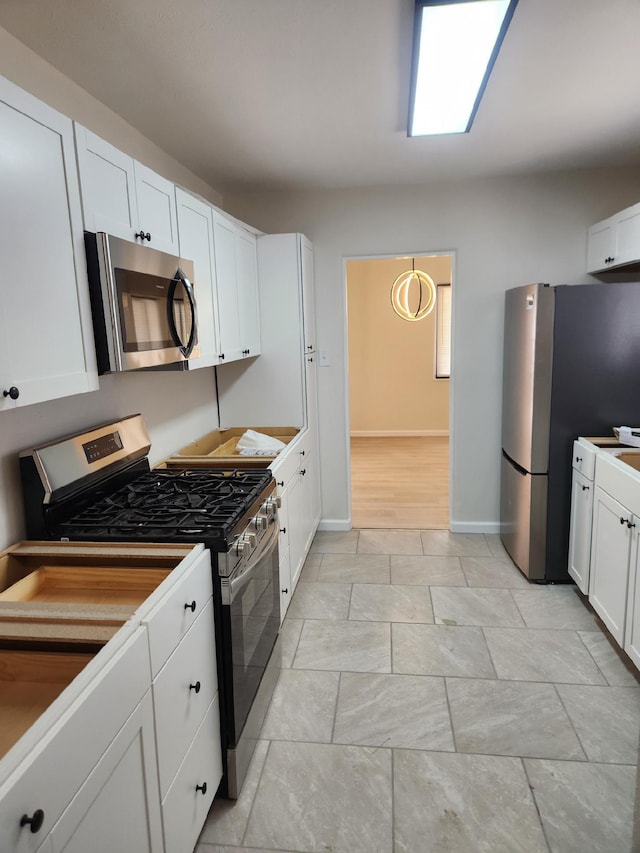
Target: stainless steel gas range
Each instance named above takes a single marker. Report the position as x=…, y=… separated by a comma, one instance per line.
x=98, y=486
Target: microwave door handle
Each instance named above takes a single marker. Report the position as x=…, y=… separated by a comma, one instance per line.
x=180, y=277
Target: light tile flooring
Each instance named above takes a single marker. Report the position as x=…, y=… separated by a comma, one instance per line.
x=433, y=700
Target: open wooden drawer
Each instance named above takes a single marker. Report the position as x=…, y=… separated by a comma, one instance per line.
x=78, y=592
x=219, y=449
x=30, y=680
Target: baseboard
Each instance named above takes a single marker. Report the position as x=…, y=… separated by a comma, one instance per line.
x=336, y=524
x=474, y=527
x=397, y=433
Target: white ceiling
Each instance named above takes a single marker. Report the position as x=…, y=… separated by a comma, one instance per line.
x=281, y=94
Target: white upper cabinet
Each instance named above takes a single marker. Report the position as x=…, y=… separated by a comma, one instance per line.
x=308, y=306
x=226, y=276
x=122, y=197
x=46, y=338
x=195, y=231
x=237, y=285
x=614, y=242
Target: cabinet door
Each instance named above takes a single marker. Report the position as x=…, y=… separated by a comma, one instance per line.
x=156, y=208
x=107, y=184
x=632, y=627
x=118, y=807
x=247, y=284
x=627, y=247
x=311, y=391
x=601, y=245
x=308, y=303
x=195, y=231
x=46, y=332
x=295, y=515
x=609, y=569
x=283, y=548
x=580, y=530
x=226, y=278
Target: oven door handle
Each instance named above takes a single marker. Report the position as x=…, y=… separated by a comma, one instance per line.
x=180, y=278
x=233, y=585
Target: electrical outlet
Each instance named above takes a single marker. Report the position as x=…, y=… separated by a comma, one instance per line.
x=324, y=358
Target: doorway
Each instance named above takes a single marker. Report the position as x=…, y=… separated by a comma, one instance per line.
x=399, y=395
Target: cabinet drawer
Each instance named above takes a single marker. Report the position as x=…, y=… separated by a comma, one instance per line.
x=172, y=617
x=66, y=754
x=182, y=692
x=184, y=809
x=584, y=459
x=286, y=466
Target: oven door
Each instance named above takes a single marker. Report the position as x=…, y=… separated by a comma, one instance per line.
x=250, y=622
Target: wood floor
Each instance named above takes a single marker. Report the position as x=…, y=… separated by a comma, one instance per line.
x=400, y=482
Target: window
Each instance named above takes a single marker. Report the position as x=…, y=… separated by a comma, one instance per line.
x=443, y=332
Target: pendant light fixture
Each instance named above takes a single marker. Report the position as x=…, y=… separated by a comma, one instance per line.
x=413, y=294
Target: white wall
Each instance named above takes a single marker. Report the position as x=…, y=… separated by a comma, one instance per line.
x=504, y=232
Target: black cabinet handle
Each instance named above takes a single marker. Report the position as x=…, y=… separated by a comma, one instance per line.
x=221, y=356
x=195, y=687
x=34, y=822
x=302, y=452
x=13, y=392
x=286, y=591
x=578, y=458
x=202, y=788
x=310, y=359
x=279, y=482
x=622, y=520
x=630, y=524
x=585, y=488
x=283, y=530
x=191, y=607
x=144, y=236
x=303, y=471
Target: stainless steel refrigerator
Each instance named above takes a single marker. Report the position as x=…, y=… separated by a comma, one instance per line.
x=571, y=367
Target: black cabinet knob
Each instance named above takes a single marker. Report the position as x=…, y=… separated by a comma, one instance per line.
x=630, y=524
x=286, y=591
x=279, y=482
x=202, y=788
x=195, y=687
x=221, y=356
x=310, y=347
x=34, y=822
x=578, y=458
x=191, y=607
x=622, y=520
x=143, y=236
x=283, y=530
x=13, y=392
x=585, y=488
x=303, y=472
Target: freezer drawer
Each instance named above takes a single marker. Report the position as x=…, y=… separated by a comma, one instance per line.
x=523, y=518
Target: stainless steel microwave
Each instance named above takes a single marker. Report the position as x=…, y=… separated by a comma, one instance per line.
x=143, y=305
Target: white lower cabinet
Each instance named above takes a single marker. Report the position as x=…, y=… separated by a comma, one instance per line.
x=128, y=757
x=614, y=530
x=118, y=807
x=580, y=530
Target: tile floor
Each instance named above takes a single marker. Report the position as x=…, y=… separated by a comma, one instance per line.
x=433, y=700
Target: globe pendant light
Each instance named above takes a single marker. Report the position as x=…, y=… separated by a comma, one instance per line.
x=413, y=294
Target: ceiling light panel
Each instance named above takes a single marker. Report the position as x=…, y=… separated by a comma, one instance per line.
x=455, y=46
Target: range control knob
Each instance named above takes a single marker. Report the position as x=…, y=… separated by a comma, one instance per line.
x=271, y=504
x=245, y=545
x=259, y=522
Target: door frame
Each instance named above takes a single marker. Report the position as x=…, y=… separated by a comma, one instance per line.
x=347, y=437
